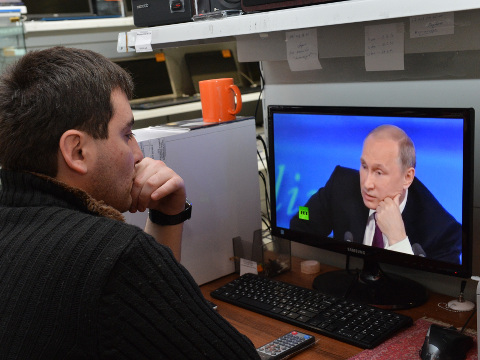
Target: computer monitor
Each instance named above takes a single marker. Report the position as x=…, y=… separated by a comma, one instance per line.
x=150, y=76
x=39, y=9
x=315, y=171
x=213, y=64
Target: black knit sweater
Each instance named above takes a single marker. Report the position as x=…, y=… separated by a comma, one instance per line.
x=78, y=283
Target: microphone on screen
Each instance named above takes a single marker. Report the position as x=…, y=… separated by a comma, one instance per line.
x=348, y=236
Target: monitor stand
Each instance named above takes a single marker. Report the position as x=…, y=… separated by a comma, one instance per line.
x=372, y=286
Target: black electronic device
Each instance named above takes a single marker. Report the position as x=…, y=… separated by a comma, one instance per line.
x=151, y=79
x=286, y=346
x=308, y=144
x=445, y=344
x=58, y=9
x=161, y=12
x=215, y=64
x=344, y=320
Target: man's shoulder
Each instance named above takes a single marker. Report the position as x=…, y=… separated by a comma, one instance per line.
x=109, y=235
x=419, y=191
x=344, y=174
x=341, y=170
x=420, y=197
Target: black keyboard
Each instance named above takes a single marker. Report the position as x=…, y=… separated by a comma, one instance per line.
x=354, y=323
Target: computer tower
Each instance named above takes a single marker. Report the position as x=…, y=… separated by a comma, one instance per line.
x=219, y=166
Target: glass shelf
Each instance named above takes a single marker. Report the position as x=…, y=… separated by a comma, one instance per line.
x=12, y=41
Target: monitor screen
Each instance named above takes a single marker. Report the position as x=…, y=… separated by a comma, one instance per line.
x=50, y=7
x=150, y=76
x=331, y=185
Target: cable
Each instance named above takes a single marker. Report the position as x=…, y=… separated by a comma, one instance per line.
x=262, y=82
x=468, y=320
x=249, y=79
x=269, y=228
x=261, y=160
x=267, y=199
x=260, y=137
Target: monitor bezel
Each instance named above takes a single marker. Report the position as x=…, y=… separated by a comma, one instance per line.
x=363, y=251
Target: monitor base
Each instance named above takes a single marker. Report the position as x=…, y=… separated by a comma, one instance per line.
x=458, y=305
x=379, y=289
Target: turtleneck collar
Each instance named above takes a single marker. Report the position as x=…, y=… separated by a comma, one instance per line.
x=29, y=189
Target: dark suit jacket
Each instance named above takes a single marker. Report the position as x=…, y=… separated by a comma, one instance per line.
x=339, y=207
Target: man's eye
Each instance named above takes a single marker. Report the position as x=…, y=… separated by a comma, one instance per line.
x=130, y=135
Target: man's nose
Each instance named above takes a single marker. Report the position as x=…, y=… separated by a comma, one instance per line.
x=137, y=153
x=368, y=181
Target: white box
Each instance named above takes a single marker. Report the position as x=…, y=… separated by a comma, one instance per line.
x=219, y=166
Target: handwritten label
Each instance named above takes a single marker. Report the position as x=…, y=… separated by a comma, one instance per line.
x=432, y=25
x=154, y=149
x=302, y=50
x=384, y=47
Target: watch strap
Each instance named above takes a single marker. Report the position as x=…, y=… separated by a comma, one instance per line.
x=162, y=219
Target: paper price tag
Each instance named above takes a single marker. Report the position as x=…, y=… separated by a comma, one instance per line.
x=143, y=41
x=248, y=266
x=122, y=42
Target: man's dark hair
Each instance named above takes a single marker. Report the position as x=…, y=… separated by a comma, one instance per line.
x=48, y=92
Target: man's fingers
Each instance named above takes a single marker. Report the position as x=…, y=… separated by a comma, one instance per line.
x=172, y=185
x=157, y=186
x=144, y=170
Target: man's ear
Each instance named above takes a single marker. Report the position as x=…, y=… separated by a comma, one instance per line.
x=409, y=176
x=72, y=147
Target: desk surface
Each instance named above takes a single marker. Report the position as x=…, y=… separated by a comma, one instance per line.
x=261, y=329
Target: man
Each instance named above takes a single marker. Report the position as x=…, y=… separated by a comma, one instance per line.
x=76, y=281
x=408, y=216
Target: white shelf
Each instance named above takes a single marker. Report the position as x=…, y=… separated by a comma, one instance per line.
x=76, y=25
x=337, y=13
x=180, y=109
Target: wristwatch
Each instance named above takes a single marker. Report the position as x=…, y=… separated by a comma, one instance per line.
x=160, y=218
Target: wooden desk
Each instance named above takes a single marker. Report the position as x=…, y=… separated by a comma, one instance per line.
x=261, y=329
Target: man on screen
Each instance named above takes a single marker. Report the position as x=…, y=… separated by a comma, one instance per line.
x=391, y=209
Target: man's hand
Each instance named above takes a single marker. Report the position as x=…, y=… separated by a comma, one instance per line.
x=389, y=219
x=157, y=187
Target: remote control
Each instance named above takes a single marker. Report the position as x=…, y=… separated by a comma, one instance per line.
x=285, y=346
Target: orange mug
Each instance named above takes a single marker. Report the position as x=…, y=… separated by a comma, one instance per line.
x=218, y=100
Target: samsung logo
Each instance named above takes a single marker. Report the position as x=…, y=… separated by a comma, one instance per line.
x=143, y=6
x=356, y=251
